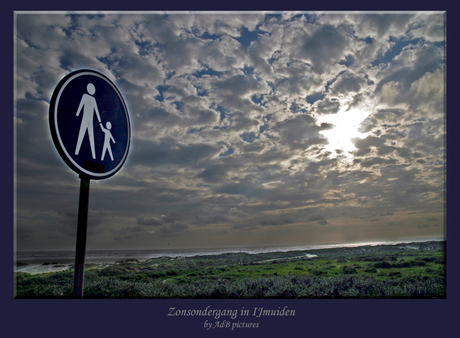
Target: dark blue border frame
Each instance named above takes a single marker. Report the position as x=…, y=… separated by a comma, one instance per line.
x=325, y=318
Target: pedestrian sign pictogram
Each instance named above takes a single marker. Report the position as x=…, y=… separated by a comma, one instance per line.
x=89, y=124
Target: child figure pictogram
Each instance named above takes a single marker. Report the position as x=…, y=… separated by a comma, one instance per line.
x=107, y=137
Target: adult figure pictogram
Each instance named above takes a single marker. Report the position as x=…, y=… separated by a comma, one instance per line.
x=89, y=106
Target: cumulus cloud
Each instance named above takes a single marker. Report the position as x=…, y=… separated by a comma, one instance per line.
x=322, y=47
x=233, y=117
x=329, y=106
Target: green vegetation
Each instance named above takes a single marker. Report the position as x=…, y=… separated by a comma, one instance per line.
x=388, y=271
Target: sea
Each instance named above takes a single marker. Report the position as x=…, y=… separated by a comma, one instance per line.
x=36, y=262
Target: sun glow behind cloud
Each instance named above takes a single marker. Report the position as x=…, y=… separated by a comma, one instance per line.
x=346, y=128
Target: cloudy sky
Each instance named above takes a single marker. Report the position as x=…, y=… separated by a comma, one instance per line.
x=248, y=128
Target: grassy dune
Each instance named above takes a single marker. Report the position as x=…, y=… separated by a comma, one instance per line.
x=415, y=270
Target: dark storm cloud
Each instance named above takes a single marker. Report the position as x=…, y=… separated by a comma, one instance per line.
x=173, y=229
x=364, y=145
x=376, y=161
x=323, y=47
x=169, y=152
x=68, y=222
x=239, y=86
x=316, y=217
x=383, y=118
x=243, y=226
x=328, y=106
x=127, y=233
x=423, y=226
x=214, y=219
x=24, y=233
x=427, y=60
x=160, y=117
x=300, y=132
x=277, y=221
x=348, y=83
x=245, y=188
x=215, y=173
x=383, y=24
x=149, y=221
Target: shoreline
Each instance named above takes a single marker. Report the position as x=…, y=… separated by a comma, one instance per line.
x=405, y=270
x=39, y=262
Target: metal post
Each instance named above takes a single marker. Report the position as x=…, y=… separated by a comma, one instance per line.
x=81, y=237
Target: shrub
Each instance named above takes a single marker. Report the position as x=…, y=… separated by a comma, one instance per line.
x=300, y=286
x=382, y=265
x=348, y=270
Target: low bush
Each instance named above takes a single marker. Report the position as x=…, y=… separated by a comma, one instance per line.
x=301, y=286
x=384, y=272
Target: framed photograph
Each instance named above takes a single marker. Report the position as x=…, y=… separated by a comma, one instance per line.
x=277, y=165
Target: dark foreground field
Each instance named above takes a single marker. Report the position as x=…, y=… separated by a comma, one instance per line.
x=415, y=270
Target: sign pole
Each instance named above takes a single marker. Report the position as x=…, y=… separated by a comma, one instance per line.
x=93, y=150
x=81, y=237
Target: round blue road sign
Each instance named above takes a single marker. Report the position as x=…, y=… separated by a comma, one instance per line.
x=89, y=124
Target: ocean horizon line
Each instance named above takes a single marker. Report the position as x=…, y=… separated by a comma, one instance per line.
x=95, y=253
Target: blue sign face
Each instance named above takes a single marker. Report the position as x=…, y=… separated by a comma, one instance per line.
x=90, y=124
